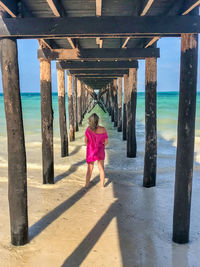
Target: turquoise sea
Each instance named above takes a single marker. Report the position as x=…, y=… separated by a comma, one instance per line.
x=167, y=114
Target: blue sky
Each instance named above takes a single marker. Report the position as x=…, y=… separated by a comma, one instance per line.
x=168, y=67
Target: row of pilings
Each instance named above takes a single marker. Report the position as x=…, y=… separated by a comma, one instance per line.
x=78, y=99
x=125, y=118
x=17, y=170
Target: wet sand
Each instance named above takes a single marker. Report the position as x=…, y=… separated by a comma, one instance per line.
x=123, y=224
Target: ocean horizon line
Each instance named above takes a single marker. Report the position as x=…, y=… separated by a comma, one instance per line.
x=143, y=92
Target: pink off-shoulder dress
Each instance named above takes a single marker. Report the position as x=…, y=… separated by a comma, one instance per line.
x=95, y=145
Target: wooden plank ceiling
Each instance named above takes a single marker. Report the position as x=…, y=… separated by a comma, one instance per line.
x=98, y=8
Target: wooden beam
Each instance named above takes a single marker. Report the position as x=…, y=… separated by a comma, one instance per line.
x=186, y=12
x=89, y=90
x=99, y=42
x=104, y=53
x=147, y=7
x=155, y=39
x=145, y=10
x=44, y=43
x=104, y=76
x=97, y=72
x=98, y=7
x=125, y=42
x=96, y=80
x=95, y=65
x=10, y=6
x=56, y=7
x=189, y=9
x=98, y=85
x=58, y=11
x=97, y=27
x=71, y=43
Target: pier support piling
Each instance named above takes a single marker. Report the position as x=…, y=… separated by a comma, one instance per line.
x=131, y=114
x=112, y=102
x=115, y=104
x=126, y=84
x=47, y=121
x=186, y=135
x=17, y=171
x=79, y=102
x=110, y=99
x=82, y=101
x=119, y=123
x=150, y=158
x=70, y=108
x=75, y=104
x=62, y=113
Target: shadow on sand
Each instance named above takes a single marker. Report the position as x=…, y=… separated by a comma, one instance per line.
x=50, y=217
x=71, y=170
x=133, y=234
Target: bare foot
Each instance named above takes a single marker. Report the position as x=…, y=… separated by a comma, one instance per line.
x=87, y=185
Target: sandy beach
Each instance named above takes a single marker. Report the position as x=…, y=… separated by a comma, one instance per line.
x=123, y=224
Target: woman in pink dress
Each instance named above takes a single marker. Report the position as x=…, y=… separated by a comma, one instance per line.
x=96, y=139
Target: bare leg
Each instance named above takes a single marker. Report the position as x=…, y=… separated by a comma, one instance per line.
x=101, y=171
x=89, y=174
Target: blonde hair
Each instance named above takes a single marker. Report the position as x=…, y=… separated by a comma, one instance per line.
x=93, y=121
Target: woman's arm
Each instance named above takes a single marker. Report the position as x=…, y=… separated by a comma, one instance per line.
x=105, y=141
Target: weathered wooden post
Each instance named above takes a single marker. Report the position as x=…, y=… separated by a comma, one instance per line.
x=62, y=112
x=131, y=114
x=17, y=173
x=79, y=102
x=186, y=136
x=75, y=109
x=119, y=123
x=107, y=99
x=112, y=102
x=115, y=106
x=82, y=101
x=150, y=158
x=110, y=99
x=70, y=108
x=47, y=121
x=126, y=84
x=87, y=101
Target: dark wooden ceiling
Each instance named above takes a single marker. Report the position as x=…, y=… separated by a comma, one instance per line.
x=98, y=8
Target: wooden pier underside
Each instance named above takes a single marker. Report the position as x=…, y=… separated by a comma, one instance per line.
x=99, y=43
